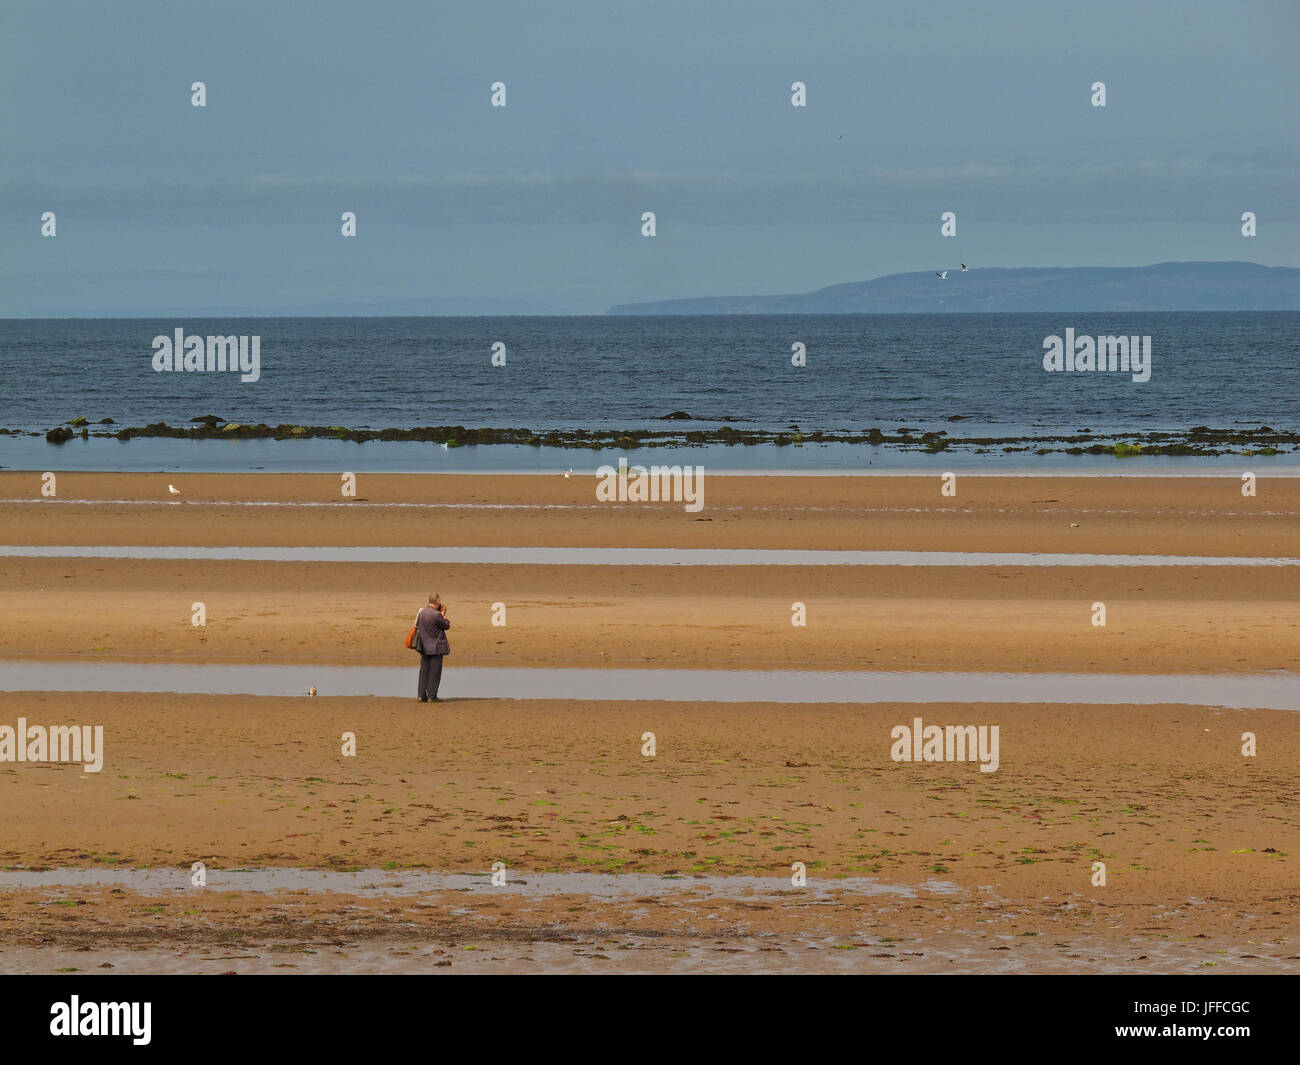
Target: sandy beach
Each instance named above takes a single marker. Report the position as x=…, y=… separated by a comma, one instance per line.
x=1198, y=840
x=1005, y=617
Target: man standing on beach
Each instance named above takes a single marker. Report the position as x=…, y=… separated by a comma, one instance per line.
x=432, y=624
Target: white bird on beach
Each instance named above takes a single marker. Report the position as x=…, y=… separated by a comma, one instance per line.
x=941, y=276
x=1074, y=525
x=964, y=268
x=568, y=473
x=173, y=490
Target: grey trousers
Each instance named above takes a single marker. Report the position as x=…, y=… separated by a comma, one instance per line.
x=430, y=676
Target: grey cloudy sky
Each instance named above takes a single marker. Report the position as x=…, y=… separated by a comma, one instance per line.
x=614, y=108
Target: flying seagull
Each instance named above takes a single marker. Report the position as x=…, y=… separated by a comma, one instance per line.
x=941, y=276
x=964, y=268
x=172, y=489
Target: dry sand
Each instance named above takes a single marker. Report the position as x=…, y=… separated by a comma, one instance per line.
x=1004, y=617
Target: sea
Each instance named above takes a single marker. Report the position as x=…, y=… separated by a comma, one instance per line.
x=962, y=374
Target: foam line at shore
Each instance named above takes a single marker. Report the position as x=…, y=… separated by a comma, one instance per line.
x=1272, y=691
x=624, y=556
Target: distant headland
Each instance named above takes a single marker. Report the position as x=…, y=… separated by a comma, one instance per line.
x=1195, y=286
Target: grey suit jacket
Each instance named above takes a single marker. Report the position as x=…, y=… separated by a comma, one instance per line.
x=433, y=631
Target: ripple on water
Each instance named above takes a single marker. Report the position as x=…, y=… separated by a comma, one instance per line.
x=1276, y=691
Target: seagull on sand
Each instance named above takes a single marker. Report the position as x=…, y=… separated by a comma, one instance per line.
x=173, y=490
x=312, y=690
x=941, y=276
x=568, y=473
x=1074, y=525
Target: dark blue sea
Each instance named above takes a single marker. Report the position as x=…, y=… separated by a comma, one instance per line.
x=1224, y=370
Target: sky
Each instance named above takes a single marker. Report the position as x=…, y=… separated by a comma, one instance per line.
x=615, y=108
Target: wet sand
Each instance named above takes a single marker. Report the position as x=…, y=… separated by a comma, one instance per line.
x=1001, y=617
x=1198, y=840
x=781, y=931
x=1162, y=794
x=977, y=871
x=1139, y=515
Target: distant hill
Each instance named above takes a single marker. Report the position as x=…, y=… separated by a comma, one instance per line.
x=1233, y=286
